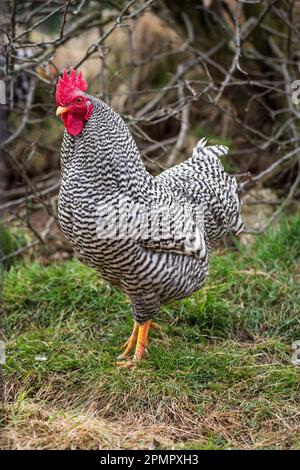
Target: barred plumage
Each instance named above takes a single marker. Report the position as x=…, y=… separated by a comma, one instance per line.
x=101, y=168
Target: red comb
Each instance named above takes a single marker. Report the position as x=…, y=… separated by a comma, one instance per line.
x=68, y=84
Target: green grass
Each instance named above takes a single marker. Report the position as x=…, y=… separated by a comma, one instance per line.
x=219, y=375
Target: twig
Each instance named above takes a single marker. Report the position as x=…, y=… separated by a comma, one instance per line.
x=236, y=59
x=271, y=170
x=184, y=127
x=20, y=129
x=64, y=18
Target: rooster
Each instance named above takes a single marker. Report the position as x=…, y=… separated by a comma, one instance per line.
x=151, y=237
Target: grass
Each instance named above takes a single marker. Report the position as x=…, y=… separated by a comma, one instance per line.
x=218, y=376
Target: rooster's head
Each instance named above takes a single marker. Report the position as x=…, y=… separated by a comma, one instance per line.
x=74, y=105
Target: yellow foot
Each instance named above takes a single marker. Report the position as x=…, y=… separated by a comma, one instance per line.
x=139, y=336
x=129, y=364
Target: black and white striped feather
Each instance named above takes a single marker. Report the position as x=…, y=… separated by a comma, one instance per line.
x=101, y=168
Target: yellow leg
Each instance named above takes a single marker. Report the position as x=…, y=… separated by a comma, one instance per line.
x=139, y=336
x=142, y=341
x=130, y=342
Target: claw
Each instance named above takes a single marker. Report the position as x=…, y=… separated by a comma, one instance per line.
x=155, y=326
x=129, y=364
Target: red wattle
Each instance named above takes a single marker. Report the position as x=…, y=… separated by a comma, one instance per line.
x=73, y=122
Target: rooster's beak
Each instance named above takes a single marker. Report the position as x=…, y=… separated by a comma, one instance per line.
x=61, y=110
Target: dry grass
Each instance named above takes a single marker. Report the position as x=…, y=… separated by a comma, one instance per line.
x=32, y=425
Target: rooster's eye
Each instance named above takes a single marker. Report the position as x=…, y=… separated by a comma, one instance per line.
x=79, y=100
